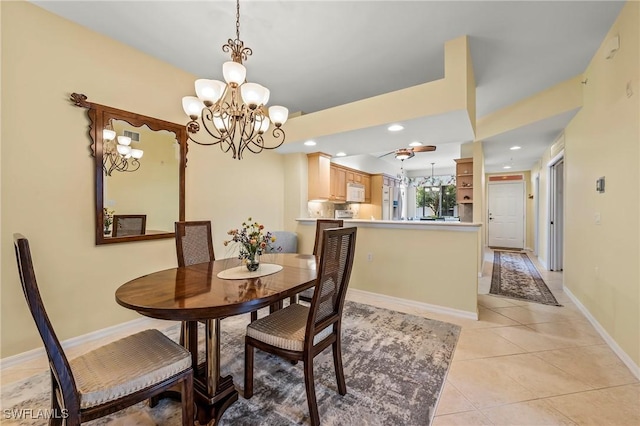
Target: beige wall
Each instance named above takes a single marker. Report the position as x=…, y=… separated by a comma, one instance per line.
x=47, y=173
x=437, y=267
x=601, y=261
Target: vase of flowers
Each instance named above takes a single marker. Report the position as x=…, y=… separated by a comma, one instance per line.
x=107, y=219
x=253, y=240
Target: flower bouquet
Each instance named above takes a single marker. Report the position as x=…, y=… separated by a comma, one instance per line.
x=253, y=241
x=107, y=217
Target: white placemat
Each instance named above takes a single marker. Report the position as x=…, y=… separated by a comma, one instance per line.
x=241, y=272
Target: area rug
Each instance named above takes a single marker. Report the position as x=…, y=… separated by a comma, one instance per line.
x=515, y=276
x=395, y=365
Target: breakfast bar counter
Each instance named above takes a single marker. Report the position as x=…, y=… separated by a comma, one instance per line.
x=431, y=265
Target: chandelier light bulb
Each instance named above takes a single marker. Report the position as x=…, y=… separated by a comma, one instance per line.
x=124, y=140
x=209, y=91
x=252, y=94
x=264, y=125
x=278, y=115
x=222, y=122
x=108, y=135
x=234, y=73
x=192, y=106
x=137, y=153
x=124, y=150
x=267, y=93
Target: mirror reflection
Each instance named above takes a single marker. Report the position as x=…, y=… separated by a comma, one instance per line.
x=149, y=186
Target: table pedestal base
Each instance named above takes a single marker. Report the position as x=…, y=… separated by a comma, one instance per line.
x=210, y=409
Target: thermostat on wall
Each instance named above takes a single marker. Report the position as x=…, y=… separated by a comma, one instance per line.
x=600, y=185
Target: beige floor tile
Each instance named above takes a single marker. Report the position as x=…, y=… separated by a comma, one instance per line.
x=489, y=301
x=533, y=413
x=539, y=377
x=486, y=318
x=530, y=339
x=574, y=333
x=483, y=383
x=452, y=401
x=530, y=315
x=461, y=419
x=610, y=406
x=596, y=365
x=483, y=343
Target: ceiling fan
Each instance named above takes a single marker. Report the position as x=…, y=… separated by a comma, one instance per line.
x=406, y=153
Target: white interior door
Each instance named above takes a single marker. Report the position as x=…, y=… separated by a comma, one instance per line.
x=506, y=214
x=556, y=215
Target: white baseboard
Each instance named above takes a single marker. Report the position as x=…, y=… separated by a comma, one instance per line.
x=635, y=369
x=125, y=328
x=365, y=296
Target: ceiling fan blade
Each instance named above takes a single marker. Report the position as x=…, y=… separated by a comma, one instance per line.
x=388, y=153
x=425, y=148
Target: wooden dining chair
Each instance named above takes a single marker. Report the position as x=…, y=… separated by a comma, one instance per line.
x=298, y=332
x=109, y=378
x=194, y=243
x=129, y=224
x=321, y=225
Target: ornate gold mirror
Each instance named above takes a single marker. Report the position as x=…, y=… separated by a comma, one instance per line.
x=139, y=165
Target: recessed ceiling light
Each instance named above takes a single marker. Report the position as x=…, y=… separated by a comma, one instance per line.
x=416, y=143
x=514, y=148
x=506, y=167
x=310, y=143
x=395, y=128
x=341, y=154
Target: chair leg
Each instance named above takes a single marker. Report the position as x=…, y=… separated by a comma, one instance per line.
x=187, y=400
x=56, y=419
x=311, y=391
x=337, y=363
x=248, y=370
x=293, y=300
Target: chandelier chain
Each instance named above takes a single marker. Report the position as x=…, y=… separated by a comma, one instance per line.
x=237, y=19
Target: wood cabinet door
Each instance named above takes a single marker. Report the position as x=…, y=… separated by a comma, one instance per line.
x=366, y=181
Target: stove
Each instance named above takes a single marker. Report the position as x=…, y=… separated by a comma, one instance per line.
x=343, y=214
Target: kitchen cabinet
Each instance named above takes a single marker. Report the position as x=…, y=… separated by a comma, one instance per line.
x=318, y=170
x=338, y=183
x=328, y=182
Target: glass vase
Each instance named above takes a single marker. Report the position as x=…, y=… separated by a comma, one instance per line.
x=253, y=262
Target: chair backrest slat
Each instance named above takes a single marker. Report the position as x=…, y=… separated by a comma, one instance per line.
x=321, y=225
x=57, y=358
x=334, y=271
x=194, y=243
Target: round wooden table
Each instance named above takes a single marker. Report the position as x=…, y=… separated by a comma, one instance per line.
x=195, y=293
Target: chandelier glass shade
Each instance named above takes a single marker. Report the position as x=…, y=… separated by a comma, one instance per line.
x=233, y=113
x=117, y=154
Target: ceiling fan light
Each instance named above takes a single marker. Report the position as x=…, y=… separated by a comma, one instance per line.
x=234, y=73
x=403, y=156
x=415, y=143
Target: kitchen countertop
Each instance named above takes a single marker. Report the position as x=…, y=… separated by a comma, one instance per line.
x=411, y=224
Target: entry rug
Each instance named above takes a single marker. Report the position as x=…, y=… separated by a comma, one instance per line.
x=395, y=365
x=515, y=276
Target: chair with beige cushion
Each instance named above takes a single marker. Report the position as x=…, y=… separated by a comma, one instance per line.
x=298, y=332
x=129, y=224
x=112, y=377
x=321, y=225
x=194, y=243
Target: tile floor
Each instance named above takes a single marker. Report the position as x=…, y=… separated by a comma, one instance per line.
x=520, y=364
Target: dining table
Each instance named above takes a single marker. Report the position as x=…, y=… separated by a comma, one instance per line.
x=208, y=292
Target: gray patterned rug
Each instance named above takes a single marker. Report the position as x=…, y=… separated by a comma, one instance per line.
x=515, y=276
x=395, y=366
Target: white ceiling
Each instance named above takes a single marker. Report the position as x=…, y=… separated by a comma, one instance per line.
x=314, y=55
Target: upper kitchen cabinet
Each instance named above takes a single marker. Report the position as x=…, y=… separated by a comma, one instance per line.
x=328, y=181
x=338, y=183
x=319, y=166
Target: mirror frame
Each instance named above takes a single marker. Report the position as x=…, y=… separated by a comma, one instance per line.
x=99, y=116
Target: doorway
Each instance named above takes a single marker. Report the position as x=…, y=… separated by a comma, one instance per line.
x=506, y=214
x=556, y=213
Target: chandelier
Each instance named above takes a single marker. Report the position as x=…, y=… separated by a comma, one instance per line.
x=117, y=153
x=234, y=113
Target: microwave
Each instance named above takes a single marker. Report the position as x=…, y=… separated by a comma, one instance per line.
x=355, y=193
